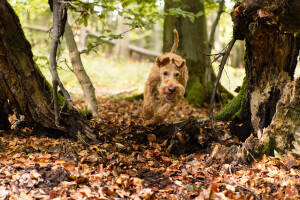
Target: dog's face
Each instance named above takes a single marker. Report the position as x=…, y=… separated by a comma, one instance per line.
x=172, y=71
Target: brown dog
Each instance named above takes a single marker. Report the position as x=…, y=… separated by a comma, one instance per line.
x=165, y=85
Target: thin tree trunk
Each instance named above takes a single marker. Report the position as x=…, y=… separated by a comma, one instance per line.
x=83, y=35
x=84, y=80
x=156, y=37
x=215, y=24
x=121, y=50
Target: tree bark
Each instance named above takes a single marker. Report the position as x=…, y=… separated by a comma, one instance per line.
x=271, y=58
x=284, y=130
x=4, y=113
x=83, y=35
x=84, y=80
x=26, y=89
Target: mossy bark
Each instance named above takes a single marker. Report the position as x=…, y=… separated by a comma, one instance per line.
x=284, y=130
x=271, y=55
x=235, y=109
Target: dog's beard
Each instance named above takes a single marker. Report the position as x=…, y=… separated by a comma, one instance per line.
x=166, y=96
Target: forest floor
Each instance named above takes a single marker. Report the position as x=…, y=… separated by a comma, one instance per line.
x=132, y=163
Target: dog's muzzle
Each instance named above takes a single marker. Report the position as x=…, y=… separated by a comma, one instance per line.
x=171, y=93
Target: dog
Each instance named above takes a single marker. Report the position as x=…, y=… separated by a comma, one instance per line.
x=165, y=85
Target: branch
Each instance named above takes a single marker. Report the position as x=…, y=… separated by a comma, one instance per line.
x=56, y=33
x=101, y=43
x=211, y=108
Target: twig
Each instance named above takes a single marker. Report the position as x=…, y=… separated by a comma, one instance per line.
x=106, y=41
x=211, y=109
x=66, y=63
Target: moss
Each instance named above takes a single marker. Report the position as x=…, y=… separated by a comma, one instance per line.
x=48, y=87
x=224, y=99
x=284, y=141
x=197, y=93
x=86, y=113
x=267, y=146
x=234, y=109
x=136, y=97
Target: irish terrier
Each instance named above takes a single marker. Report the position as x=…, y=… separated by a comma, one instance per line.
x=165, y=85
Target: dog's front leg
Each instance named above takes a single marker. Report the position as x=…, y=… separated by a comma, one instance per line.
x=149, y=103
x=162, y=112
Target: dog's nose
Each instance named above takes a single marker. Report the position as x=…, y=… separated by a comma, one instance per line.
x=172, y=89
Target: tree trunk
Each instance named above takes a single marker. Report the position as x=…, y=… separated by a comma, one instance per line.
x=26, y=88
x=4, y=112
x=121, y=50
x=271, y=59
x=214, y=25
x=79, y=71
x=193, y=44
x=156, y=37
x=83, y=35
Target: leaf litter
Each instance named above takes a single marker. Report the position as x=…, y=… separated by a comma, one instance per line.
x=137, y=162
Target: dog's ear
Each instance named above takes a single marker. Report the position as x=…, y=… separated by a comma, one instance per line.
x=179, y=62
x=162, y=61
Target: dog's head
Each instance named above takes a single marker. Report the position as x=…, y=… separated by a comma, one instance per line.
x=173, y=76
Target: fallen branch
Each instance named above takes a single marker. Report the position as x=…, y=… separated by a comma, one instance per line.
x=212, y=100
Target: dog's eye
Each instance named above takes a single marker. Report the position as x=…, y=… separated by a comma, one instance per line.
x=165, y=73
x=176, y=74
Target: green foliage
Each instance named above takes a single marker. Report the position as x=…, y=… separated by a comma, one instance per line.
x=139, y=14
x=178, y=11
x=23, y=7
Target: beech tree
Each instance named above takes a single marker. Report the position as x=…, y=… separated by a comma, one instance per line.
x=78, y=69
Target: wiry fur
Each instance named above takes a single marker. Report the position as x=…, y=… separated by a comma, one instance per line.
x=158, y=100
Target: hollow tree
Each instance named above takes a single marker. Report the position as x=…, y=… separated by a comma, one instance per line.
x=25, y=89
x=268, y=103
